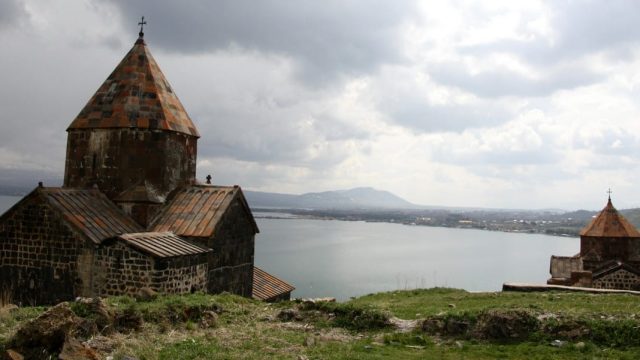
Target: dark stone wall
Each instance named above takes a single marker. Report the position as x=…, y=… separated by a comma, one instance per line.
x=121, y=270
x=231, y=263
x=116, y=159
x=595, y=251
x=620, y=279
x=181, y=275
x=39, y=256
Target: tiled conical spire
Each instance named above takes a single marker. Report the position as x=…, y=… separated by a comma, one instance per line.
x=609, y=223
x=135, y=95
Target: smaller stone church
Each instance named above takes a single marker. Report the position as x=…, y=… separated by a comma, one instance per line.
x=609, y=255
x=131, y=213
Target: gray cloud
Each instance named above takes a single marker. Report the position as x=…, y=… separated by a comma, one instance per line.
x=326, y=38
x=424, y=117
x=11, y=13
x=500, y=82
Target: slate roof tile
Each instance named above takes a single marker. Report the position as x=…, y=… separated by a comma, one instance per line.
x=267, y=286
x=136, y=94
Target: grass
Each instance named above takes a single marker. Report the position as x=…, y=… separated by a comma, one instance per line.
x=413, y=304
x=171, y=327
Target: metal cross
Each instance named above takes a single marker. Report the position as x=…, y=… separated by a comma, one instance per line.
x=609, y=192
x=142, y=23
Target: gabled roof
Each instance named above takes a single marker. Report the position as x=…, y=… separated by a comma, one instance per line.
x=613, y=266
x=90, y=212
x=135, y=95
x=267, y=286
x=162, y=244
x=609, y=223
x=197, y=210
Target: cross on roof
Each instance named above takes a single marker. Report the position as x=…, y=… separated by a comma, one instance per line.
x=142, y=23
x=609, y=192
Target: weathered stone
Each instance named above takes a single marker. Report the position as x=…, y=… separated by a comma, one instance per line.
x=75, y=350
x=505, y=324
x=209, y=319
x=12, y=355
x=46, y=333
x=289, y=315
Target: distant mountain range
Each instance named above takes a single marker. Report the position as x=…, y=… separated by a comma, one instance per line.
x=357, y=198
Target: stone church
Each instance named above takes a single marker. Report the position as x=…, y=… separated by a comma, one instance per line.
x=131, y=214
x=609, y=255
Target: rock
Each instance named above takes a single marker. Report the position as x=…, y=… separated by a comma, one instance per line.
x=75, y=350
x=96, y=316
x=452, y=305
x=433, y=326
x=579, y=345
x=319, y=300
x=45, y=334
x=209, y=319
x=146, y=294
x=558, y=343
x=127, y=321
x=289, y=315
x=12, y=355
x=459, y=344
x=402, y=325
x=457, y=327
x=501, y=324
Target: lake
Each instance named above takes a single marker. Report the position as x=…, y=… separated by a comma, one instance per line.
x=350, y=258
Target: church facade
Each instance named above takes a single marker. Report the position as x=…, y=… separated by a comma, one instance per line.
x=130, y=214
x=609, y=255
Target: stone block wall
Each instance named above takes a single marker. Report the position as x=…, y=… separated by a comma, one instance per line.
x=620, y=279
x=38, y=255
x=231, y=264
x=181, y=275
x=116, y=159
x=122, y=270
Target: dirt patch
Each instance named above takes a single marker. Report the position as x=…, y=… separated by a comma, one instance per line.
x=505, y=324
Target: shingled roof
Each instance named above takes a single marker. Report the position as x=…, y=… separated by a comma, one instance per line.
x=267, y=286
x=610, y=223
x=90, y=212
x=196, y=210
x=135, y=95
x=162, y=245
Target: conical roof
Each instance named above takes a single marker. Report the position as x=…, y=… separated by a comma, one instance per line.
x=135, y=95
x=609, y=223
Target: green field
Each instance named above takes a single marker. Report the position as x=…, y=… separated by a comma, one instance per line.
x=449, y=324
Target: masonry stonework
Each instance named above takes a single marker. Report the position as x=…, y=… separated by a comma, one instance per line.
x=621, y=279
x=122, y=270
x=117, y=159
x=38, y=256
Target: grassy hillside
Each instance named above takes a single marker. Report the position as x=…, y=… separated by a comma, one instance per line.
x=439, y=323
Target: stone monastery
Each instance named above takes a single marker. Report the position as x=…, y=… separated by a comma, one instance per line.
x=609, y=255
x=131, y=214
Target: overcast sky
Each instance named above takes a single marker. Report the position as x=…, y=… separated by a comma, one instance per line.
x=520, y=104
